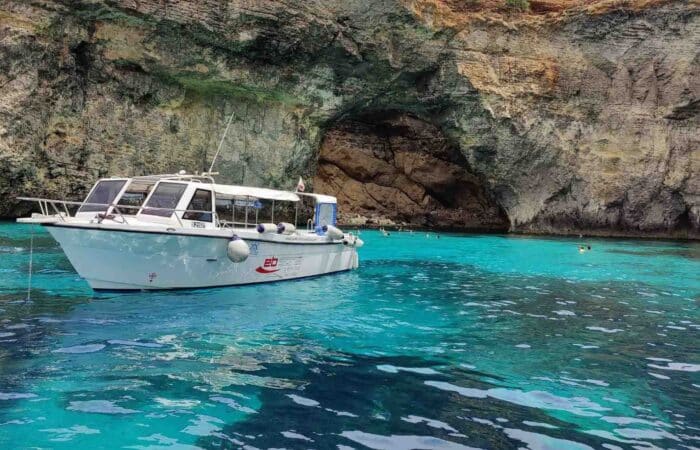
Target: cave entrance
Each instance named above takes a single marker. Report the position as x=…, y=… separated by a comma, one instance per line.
x=394, y=167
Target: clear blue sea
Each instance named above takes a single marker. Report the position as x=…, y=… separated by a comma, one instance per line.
x=467, y=341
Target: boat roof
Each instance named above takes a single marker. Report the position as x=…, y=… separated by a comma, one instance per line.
x=320, y=198
x=230, y=190
x=255, y=192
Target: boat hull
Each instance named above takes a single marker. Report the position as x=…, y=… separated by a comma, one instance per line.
x=110, y=259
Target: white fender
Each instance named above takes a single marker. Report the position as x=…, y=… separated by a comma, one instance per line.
x=237, y=250
x=266, y=228
x=286, y=228
x=333, y=232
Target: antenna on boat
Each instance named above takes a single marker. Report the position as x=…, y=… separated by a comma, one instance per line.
x=221, y=142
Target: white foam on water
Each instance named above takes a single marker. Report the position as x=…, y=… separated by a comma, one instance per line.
x=585, y=346
x=659, y=359
x=99, y=407
x=88, y=348
x=4, y=335
x=303, y=401
x=402, y=442
x=523, y=346
x=564, y=312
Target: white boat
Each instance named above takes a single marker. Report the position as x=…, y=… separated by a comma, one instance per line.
x=185, y=231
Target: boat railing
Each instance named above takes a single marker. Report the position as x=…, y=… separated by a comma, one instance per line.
x=46, y=205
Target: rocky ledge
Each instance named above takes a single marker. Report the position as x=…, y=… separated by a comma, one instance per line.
x=547, y=116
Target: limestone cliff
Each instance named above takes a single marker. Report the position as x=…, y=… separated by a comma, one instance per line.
x=558, y=116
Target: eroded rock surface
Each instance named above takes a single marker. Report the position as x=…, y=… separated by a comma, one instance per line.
x=569, y=117
x=400, y=168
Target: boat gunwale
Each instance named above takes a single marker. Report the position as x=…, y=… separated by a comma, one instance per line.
x=102, y=227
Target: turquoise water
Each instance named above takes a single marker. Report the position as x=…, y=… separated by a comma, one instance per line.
x=466, y=341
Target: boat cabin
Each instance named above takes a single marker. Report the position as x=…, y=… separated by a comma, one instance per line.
x=193, y=201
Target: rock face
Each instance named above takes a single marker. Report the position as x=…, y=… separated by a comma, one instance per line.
x=399, y=168
x=564, y=117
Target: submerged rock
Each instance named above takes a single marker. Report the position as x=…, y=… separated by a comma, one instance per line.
x=547, y=116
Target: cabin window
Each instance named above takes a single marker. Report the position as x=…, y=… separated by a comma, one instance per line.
x=325, y=214
x=167, y=196
x=201, y=201
x=103, y=194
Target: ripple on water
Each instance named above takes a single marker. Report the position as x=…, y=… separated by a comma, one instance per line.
x=67, y=434
x=297, y=436
x=134, y=343
x=537, y=441
x=580, y=406
x=231, y=403
x=681, y=367
x=299, y=400
x=429, y=422
x=99, y=407
x=402, y=442
x=15, y=395
x=87, y=348
x=605, y=330
x=396, y=369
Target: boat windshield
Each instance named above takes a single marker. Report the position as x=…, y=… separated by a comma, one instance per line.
x=166, y=195
x=103, y=194
x=134, y=196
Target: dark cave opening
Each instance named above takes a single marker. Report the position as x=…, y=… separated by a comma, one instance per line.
x=395, y=167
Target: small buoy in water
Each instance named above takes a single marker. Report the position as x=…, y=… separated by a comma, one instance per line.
x=237, y=250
